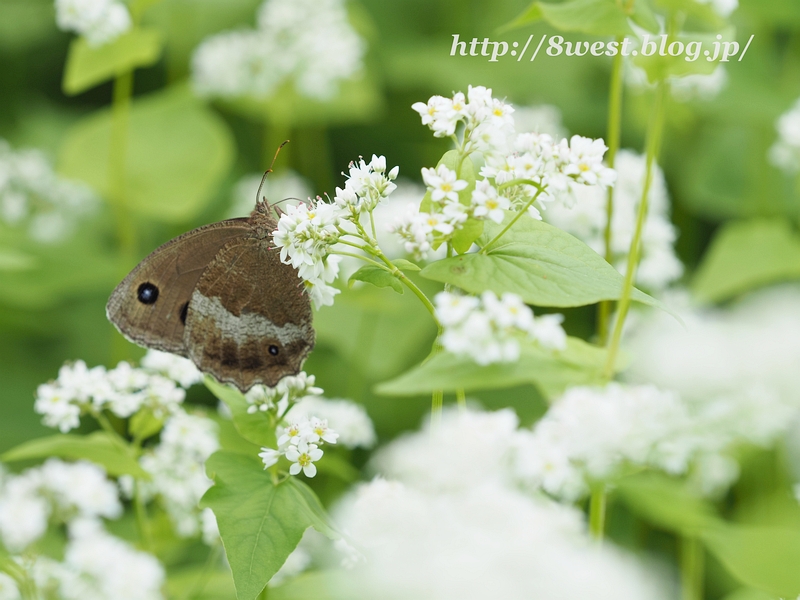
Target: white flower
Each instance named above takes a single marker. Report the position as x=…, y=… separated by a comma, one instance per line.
x=81, y=488
x=8, y=588
x=587, y=220
x=785, y=153
x=367, y=185
x=584, y=162
x=269, y=456
x=415, y=232
x=488, y=203
x=305, y=235
x=303, y=457
x=177, y=368
x=310, y=44
x=100, y=21
x=723, y=7
x=33, y=196
x=473, y=548
x=490, y=329
x=350, y=420
x=443, y=183
x=591, y=432
x=288, y=391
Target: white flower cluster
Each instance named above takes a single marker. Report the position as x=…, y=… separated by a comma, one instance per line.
x=450, y=493
x=489, y=329
x=177, y=468
x=723, y=7
x=299, y=442
x=123, y=391
x=589, y=433
x=350, y=420
x=178, y=369
x=519, y=169
x=99, y=21
x=280, y=398
x=586, y=220
x=31, y=193
x=8, y=588
x=98, y=566
x=785, y=152
x=308, y=42
x=53, y=492
x=307, y=233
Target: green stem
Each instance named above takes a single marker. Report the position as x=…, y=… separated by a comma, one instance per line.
x=614, y=134
x=142, y=521
x=117, y=157
x=437, y=399
x=516, y=218
x=461, y=399
x=374, y=263
x=597, y=512
x=655, y=129
x=692, y=567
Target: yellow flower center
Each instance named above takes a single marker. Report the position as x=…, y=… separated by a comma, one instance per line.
x=304, y=460
x=491, y=204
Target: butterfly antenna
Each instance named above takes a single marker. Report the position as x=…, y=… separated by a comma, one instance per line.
x=268, y=171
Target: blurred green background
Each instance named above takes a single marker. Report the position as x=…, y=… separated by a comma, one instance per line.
x=52, y=302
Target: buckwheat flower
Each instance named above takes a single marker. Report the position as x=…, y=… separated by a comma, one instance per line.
x=437, y=107
x=547, y=330
x=443, y=183
x=269, y=456
x=305, y=235
x=351, y=422
x=310, y=45
x=57, y=407
x=785, y=153
x=24, y=512
x=585, y=162
x=321, y=294
x=177, y=368
x=99, y=565
x=81, y=489
x=8, y=588
x=289, y=390
x=587, y=219
x=99, y=21
x=303, y=458
x=292, y=432
x=319, y=430
x=473, y=549
x=595, y=431
x=488, y=202
x=415, y=231
x=491, y=329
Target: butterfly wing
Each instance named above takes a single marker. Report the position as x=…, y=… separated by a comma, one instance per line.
x=150, y=306
x=249, y=319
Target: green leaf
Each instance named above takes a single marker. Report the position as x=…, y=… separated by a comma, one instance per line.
x=701, y=11
x=256, y=427
x=551, y=371
x=377, y=277
x=541, y=263
x=466, y=236
x=178, y=153
x=644, y=17
x=98, y=447
x=761, y=557
x=660, y=67
x=88, y=66
x=746, y=255
x=598, y=17
x=405, y=265
x=12, y=259
x=145, y=424
x=750, y=594
x=332, y=584
x=667, y=503
x=260, y=523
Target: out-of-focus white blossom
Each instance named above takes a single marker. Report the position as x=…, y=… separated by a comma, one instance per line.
x=698, y=86
x=56, y=490
x=177, y=469
x=350, y=420
x=8, y=588
x=98, y=566
x=31, y=194
x=123, y=391
x=308, y=43
x=180, y=370
x=489, y=329
x=587, y=219
x=785, y=152
x=474, y=548
x=723, y=7
x=99, y=21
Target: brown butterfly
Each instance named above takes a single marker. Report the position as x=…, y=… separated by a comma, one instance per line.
x=221, y=296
